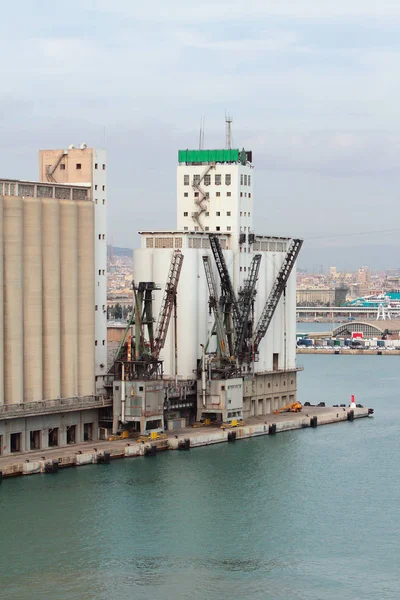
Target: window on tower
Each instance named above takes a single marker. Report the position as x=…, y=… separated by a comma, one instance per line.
x=249, y=195
x=207, y=180
x=218, y=180
x=218, y=228
x=186, y=194
x=196, y=194
x=245, y=180
x=218, y=213
x=228, y=228
x=186, y=180
x=196, y=179
x=228, y=213
x=241, y=180
x=185, y=214
x=218, y=194
x=228, y=193
x=248, y=179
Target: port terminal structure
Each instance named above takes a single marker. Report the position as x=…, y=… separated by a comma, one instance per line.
x=224, y=346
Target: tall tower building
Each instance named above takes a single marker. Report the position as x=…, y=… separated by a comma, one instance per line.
x=87, y=166
x=215, y=194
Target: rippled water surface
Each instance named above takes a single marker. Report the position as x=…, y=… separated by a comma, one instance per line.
x=311, y=514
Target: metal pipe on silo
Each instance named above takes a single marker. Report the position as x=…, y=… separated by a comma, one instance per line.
x=69, y=298
x=51, y=298
x=13, y=301
x=1, y=306
x=86, y=299
x=32, y=298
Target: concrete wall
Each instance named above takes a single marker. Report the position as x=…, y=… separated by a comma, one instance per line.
x=43, y=424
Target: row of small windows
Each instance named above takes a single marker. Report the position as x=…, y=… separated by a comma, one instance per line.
x=102, y=272
x=218, y=228
x=103, y=187
x=245, y=180
x=245, y=214
x=218, y=213
x=218, y=194
x=207, y=179
x=102, y=236
x=97, y=307
x=96, y=201
x=96, y=343
x=78, y=166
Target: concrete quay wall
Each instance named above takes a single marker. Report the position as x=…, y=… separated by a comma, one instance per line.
x=85, y=454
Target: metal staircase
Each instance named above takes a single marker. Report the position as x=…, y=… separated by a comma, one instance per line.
x=202, y=197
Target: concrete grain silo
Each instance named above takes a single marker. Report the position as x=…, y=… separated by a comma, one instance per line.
x=13, y=303
x=51, y=298
x=69, y=297
x=86, y=300
x=1, y=307
x=32, y=299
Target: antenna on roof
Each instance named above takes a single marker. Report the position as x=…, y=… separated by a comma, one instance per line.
x=228, y=124
x=201, y=134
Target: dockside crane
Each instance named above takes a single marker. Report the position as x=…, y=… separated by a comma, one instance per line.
x=228, y=298
x=168, y=302
x=277, y=290
x=145, y=363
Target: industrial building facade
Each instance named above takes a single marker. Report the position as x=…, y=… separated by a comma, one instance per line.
x=215, y=201
x=51, y=378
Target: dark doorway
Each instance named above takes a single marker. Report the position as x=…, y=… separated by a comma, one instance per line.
x=35, y=439
x=87, y=432
x=275, y=361
x=71, y=434
x=15, y=442
x=53, y=437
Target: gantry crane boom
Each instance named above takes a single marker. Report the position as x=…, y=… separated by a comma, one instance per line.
x=219, y=326
x=276, y=292
x=167, y=303
x=246, y=297
x=226, y=283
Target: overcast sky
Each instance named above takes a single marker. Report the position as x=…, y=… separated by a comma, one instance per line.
x=313, y=87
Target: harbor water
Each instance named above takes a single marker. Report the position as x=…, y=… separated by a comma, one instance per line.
x=308, y=514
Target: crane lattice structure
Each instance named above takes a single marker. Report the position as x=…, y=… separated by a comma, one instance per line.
x=228, y=293
x=277, y=290
x=215, y=307
x=168, y=301
x=245, y=303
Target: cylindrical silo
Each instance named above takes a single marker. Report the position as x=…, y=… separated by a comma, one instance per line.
x=1, y=307
x=51, y=298
x=188, y=343
x=13, y=300
x=69, y=298
x=86, y=299
x=32, y=279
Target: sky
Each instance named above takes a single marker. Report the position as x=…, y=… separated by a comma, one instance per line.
x=313, y=88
